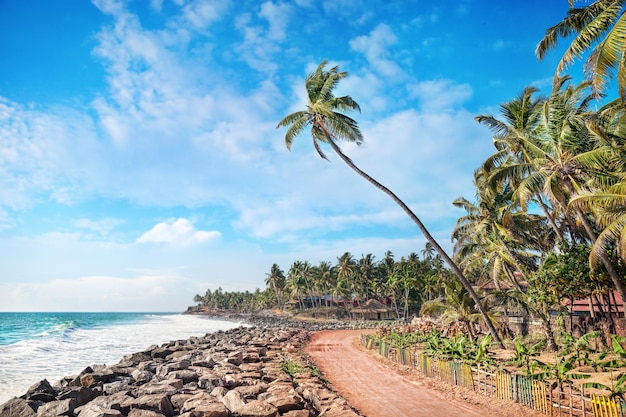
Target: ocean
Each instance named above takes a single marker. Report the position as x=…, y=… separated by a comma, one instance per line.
x=36, y=346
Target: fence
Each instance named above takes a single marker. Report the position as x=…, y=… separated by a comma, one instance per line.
x=564, y=401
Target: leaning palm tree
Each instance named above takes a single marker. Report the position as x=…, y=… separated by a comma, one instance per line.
x=324, y=115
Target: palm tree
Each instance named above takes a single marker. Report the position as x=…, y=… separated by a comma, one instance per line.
x=455, y=306
x=563, y=160
x=324, y=115
x=496, y=227
x=608, y=206
x=276, y=281
x=599, y=27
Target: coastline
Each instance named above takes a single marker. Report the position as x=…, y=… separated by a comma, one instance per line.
x=256, y=369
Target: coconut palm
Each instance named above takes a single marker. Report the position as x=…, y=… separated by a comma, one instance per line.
x=521, y=122
x=276, y=281
x=598, y=28
x=495, y=227
x=562, y=159
x=608, y=207
x=324, y=115
x=455, y=306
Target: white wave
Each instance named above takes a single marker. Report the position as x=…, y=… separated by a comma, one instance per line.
x=27, y=362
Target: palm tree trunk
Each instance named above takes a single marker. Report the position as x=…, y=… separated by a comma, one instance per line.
x=550, y=218
x=457, y=272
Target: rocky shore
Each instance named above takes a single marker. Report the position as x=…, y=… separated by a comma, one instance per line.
x=257, y=370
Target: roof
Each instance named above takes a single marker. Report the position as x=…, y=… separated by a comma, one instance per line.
x=371, y=306
x=581, y=305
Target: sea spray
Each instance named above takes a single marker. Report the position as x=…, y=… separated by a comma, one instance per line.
x=34, y=346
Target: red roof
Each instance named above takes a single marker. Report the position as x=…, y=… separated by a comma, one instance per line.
x=582, y=305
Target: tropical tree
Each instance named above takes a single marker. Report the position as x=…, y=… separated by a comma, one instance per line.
x=598, y=29
x=324, y=115
x=276, y=281
x=559, y=160
x=455, y=306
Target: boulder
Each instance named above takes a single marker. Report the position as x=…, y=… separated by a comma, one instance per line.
x=233, y=400
x=297, y=413
x=80, y=395
x=92, y=410
x=57, y=408
x=252, y=391
x=286, y=402
x=41, y=391
x=185, y=375
x=168, y=386
x=144, y=413
x=210, y=410
x=256, y=408
x=154, y=402
x=17, y=407
x=141, y=376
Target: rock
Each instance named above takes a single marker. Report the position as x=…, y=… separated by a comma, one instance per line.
x=258, y=408
x=115, y=402
x=207, y=362
x=219, y=392
x=92, y=410
x=141, y=376
x=41, y=391
x=168, y=386
x=297, y=413
x=192, y=401
x=17, y=407
x=153, y=402
x=144, y=413
x=57, y=408
x=80, y=395
x=252, y=391
x=286, y=402
x=117, y=386
x=185, y=375
x=234, y=401
x=211, y=410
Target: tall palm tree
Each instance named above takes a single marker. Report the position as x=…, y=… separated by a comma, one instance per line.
x=276, y=281
x=599, y=27
x=561, y=161
x=324, y=115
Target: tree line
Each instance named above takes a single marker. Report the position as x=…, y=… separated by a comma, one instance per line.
x=404, y=284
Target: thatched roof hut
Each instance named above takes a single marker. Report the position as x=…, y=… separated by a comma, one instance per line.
x=372, y=310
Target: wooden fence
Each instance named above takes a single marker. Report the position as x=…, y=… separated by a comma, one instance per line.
x=565, y=401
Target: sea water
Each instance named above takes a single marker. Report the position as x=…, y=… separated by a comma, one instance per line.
x=36, y=346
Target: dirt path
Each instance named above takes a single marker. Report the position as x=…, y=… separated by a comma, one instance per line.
x=378, y=389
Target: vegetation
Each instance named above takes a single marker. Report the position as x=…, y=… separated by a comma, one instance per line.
x=547, y=223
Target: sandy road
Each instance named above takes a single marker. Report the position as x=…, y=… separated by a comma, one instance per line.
x=374, y=389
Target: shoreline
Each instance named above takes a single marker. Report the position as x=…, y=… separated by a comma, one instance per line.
x=257, y=369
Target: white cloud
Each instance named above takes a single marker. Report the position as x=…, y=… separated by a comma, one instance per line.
x=437, y=95
x=102, y=226
x=177, y=232
x=375, y=47
x=277, y=15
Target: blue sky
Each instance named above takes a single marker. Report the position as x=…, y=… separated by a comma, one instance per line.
x=140, y=162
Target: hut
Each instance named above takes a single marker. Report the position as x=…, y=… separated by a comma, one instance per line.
x=372, y=310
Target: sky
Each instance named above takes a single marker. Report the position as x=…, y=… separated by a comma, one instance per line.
x=140, y=163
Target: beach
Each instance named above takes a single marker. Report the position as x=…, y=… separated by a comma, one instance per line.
x=259, y=363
